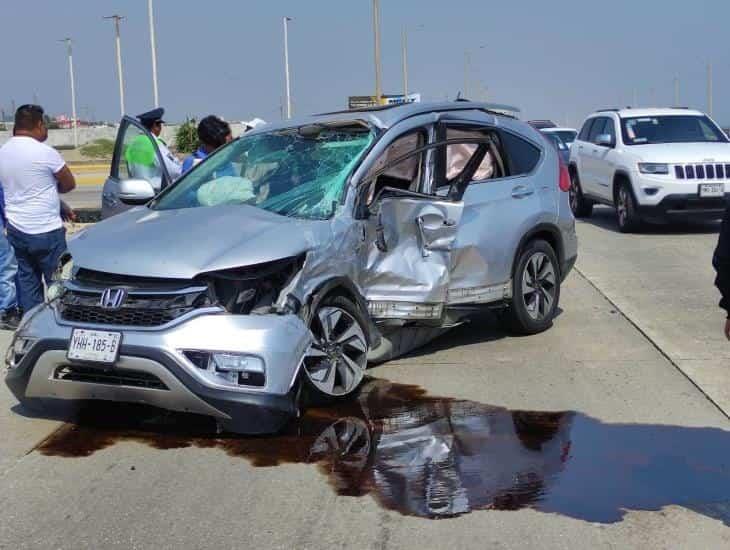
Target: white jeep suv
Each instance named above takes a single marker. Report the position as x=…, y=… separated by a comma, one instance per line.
x=650, y=164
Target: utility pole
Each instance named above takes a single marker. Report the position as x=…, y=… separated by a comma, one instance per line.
x=467, y=70
x=709, y=89
x=376, y=37
x=67, y=41
x=676, y=91
x=404, y=47
x=153, y=47
x=286, y=66
x=120, y=76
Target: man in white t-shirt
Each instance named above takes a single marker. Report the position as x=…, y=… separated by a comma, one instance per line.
x=33, y=174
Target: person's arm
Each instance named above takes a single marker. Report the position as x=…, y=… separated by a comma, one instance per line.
x=66, y=180
x=721, y=263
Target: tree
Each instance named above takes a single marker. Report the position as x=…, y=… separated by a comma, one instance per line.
x=186, y=136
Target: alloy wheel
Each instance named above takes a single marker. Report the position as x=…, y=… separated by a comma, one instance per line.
x=335, y=362
x=539, y=286
x=622, y=206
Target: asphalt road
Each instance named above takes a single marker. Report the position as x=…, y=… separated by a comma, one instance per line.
x=634, y=453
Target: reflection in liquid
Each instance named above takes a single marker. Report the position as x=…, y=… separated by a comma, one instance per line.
x=439, y=457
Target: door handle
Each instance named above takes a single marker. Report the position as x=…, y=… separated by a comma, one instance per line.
x=422, y=242
x=521, y=191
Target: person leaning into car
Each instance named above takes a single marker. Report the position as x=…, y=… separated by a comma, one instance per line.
x=721, y=262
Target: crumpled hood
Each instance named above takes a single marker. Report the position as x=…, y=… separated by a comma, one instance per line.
x=680, y=153
x=182, y=243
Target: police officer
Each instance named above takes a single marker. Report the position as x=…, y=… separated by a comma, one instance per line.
x=152, y=120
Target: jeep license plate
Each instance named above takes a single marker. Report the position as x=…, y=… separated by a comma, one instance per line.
x=712, y=190
x=98, y=346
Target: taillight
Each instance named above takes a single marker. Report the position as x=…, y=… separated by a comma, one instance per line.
x=564, y=182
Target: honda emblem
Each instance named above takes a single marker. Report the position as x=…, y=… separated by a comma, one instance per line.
x=113, y=298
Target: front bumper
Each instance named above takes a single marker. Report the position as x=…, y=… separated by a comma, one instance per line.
x=686, y=206
x=280, y=340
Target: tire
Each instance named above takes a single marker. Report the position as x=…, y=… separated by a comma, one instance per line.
x=334, y=365
x=627, y=214
x=533, y=306
x=581, y=207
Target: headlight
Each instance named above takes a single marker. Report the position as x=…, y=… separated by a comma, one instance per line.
x=653, y=168
x=64, y=270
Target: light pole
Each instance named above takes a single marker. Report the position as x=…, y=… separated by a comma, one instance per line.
x=467, y=70
x=404, y=46
x=376, y=37
x=676, y=91
x=709, y=89
x=286, y=66
x=117, y=19
x=153, y=47
x=67, y=41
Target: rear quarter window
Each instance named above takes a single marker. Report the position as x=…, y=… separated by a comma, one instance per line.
x=522, y=156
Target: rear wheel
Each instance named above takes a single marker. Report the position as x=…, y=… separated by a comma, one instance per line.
x=626, y=211
x=535, y=289
x=335, y=363
x=581, y=207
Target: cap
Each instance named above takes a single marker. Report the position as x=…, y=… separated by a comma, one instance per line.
x=152, y=116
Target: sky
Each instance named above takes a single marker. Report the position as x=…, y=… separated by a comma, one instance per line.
x=559, y=60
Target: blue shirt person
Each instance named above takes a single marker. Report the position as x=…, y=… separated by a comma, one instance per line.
x=213, y=132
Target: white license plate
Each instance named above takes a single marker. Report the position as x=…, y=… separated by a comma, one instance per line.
x=712, y=190
x=98, y=346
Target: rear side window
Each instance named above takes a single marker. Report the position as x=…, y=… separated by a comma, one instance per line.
x=585, y=131
x=459, y=154
x=522, y=156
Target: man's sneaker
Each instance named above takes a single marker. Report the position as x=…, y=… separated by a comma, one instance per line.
x=10, y=319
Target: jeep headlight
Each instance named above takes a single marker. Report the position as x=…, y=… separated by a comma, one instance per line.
x=653, y=168
x=63, y=273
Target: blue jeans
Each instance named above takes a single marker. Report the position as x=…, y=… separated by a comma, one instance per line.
x=37, y=257
x=8, y=271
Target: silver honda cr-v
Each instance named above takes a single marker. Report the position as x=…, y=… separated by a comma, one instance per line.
x=277, y=268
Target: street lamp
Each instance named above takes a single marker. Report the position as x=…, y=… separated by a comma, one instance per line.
x=286, y=66
x=404, y=53
x=67, y=41
x=376, y=38
x=153, y=47
x=117, y=19
x=467, y=70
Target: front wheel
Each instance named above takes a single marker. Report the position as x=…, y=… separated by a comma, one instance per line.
x=626, y=211
x=335, y=363
x=535, y=289
x=581, y=207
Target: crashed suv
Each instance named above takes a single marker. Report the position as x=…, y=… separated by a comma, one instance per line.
x=276, y=269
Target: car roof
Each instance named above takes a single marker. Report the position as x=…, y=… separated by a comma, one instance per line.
x=385, y=116
x=559, y=129
x=652, y=111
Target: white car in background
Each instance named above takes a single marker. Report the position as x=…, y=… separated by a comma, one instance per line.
x=650, y=164
x=567, y=135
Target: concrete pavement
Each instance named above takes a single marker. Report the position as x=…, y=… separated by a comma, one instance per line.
x=637, y=346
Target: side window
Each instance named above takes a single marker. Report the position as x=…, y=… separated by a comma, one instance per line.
x=585, y=131
x=597, y=129
x=138, y=158
x=522, y=156
x=407, y=173
x=610, y=129
x=459, y=154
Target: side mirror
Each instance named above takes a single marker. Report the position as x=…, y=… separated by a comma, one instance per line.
x=604, y=140
x=135, y=191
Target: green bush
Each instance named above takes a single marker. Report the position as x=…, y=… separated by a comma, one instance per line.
x=186, y=137
x=102, y=148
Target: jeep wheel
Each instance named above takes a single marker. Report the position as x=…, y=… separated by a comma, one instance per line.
x=535, y=289
x=581, y=207
x=628, y=217
x=335, y=363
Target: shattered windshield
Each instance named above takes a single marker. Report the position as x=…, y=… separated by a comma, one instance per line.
x=298, y=172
